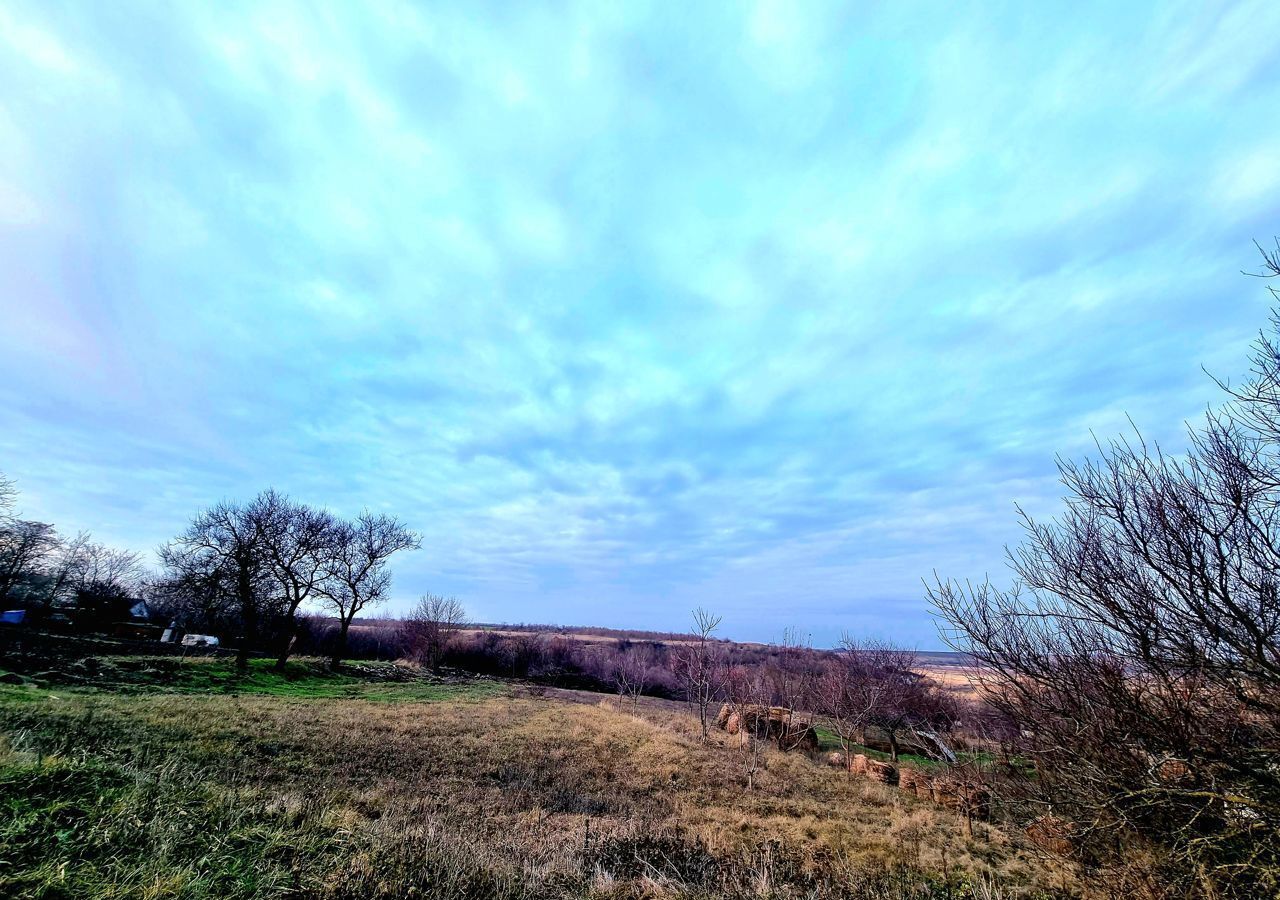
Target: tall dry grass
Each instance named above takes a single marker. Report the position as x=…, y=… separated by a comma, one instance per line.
x=509, y=797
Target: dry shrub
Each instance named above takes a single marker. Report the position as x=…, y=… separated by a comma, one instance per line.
x=912, y=831
x=1175, y=772
x=916, y=783
x=962, y=794
x=859, y=764
x=1052, y=835
x=835, y=758
x=722, y=718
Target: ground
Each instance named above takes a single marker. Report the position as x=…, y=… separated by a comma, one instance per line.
x=156, y=777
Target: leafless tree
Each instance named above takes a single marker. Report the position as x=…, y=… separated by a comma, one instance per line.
x=1137, y=646
x=431, y=628
x=297, y=542
x=224, y=550
x=633, y=668
x=99, y=564
x=106, y=583
x=849, y=692
x=748, y=692
x=906, y=700
x=25, y=548
x=8, y=498
x=874, y=683
x=794, y=677
x=43, y=569
x=698, y=666
x=64, y=569
x=357, y=576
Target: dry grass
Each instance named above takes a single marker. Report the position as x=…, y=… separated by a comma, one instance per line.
x=523, y=796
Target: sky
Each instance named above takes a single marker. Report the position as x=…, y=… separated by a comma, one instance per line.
x=774, y=309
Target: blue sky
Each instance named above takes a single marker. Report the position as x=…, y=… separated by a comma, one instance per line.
x=628, y=308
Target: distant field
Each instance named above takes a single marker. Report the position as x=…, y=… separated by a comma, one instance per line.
x=961, y=677
x=160, y=777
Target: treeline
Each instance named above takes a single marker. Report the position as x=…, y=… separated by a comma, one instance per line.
x=42, y=570
x=243, y=571
x=248, y=568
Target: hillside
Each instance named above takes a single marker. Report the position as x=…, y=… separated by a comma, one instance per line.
x=169, y=777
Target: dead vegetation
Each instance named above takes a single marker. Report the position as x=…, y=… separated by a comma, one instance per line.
x=506, y=797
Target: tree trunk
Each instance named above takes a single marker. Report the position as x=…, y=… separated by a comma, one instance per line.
x=893, y=744
x=285, y=649
x=246, y=638
x=248, y=616
x=340, y=648
x=290, y=633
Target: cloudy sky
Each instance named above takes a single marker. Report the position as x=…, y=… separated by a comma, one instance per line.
x=628, y=308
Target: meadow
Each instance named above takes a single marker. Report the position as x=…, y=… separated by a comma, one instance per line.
x=161, y=776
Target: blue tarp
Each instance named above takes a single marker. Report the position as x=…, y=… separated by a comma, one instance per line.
x=13, y=616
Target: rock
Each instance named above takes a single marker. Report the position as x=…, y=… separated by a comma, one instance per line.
x=799, y=737
x=881, y=772
x=916, y=783
x=12, y=678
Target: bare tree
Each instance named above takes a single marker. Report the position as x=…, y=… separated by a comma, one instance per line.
x=64, y=570
x=904, y=700
x=1137, y=646
x=849, y=693
x=431, y=628
x=42, y=569
x=633, y=669
x=747, y=690
x=794, y=677
x=224, y=549
x=99, y=564
x=107, y=585
x=698, y=667
x=8, y=498
x=357, y=576
x=297, y=541
x=25, y=548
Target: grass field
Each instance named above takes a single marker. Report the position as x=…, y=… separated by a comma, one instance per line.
x=299, y=680
x=168, y=777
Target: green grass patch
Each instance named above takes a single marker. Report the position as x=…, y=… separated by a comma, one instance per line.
x=93, y=829
x=828, y=740
x=300, y=679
